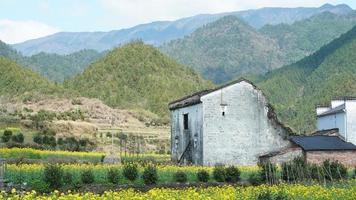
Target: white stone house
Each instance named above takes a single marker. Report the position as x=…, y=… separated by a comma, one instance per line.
x=232, y=124
x=340, y=114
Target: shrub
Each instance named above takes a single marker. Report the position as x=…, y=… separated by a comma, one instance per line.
x=130, y=171
x=67, y=178
x=232, y=174
x=87, y=177
x=255, y=178
x=38, y=139
x=150, y=175
x=219, y=173
x=180, y=177
x=203, y=176
x=19, y=138
x=113, y=176
x=6, y=136
x=334, y=170
x=53, y=175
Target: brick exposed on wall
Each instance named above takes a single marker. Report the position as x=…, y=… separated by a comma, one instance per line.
x=347, y=158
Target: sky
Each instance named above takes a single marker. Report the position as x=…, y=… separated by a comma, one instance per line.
x=21, y=20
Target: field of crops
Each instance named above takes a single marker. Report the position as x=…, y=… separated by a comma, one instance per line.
x=32, y=174
x=94, y=157
x=345, y=191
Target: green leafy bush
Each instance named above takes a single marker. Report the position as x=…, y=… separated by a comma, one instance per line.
x=203, y=176
x=67, y=178
x=53, y=176
x=87, y=177
x=219, y=173
x=255, y=178
x=19, y=138
x=180, y=177
x=6, y=136
x=130, y=171
x=113, y=176
x=150, y=175
x=232, y=174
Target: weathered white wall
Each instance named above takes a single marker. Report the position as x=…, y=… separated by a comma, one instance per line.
x=332, y=121
x=195, y=131
x=244, y=133
x=351, y=120
x=336, y=103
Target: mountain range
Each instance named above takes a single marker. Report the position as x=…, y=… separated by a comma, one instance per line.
x=296, y=89
x=297, y=65
x=159, y=32
x=229, y=48
x=53, y=66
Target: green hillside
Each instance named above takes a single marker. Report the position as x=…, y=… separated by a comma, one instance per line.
x=225, y=49
x=16, y=81
x=229, y=48
x=53, y=66
x=304, y=37
x=296, y=89
x=60, y=67
x=137, y=76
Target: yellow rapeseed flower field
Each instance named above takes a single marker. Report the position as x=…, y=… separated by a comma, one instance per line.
x=297, y=192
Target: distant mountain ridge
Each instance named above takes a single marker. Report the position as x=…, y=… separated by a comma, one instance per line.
x=229, y=48
x=157, y=33
x=225, y=49
x=53, y=66
x=296, y=89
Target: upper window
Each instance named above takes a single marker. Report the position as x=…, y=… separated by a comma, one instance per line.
x=185, y=121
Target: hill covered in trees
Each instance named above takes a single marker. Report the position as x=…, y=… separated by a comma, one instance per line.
x=229, y=48
x=137, y=75
x=225, y=49
x=53, y=66
x=296, y=89
x=18, y=82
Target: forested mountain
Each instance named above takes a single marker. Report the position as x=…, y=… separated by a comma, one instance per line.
x=304, y=37
x=225, y=49
x=229, y=48
x=16, y=81
x=296, y=89
x=53, y=66
x=159, y=32
x=60, y=67
x=137, y=75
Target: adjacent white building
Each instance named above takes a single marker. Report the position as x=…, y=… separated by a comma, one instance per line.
x=340, y=114
x=232, y=124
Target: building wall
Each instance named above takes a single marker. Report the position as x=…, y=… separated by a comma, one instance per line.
x=348, y=158
x=245, y=132
x=351, y=120
x=179, y=135
x=332, y=121
x=284, y=156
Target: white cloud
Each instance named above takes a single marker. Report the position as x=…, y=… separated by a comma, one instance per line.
x=18, y=31
x=130, y=12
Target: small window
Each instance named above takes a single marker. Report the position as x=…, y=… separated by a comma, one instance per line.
x=185, y=121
